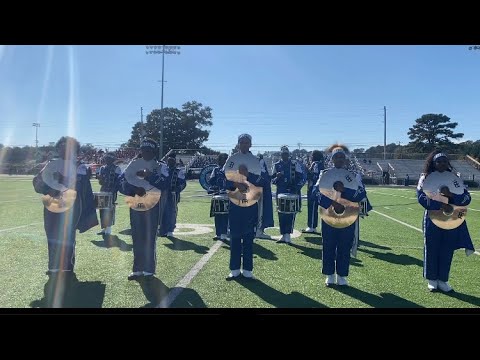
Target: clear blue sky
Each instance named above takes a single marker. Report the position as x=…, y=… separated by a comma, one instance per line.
x=314, y=95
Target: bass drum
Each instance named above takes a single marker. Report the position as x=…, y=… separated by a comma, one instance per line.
x=205, y=174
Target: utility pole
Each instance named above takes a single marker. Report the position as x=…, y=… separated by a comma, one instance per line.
x=142, y=130
x=36, y=125
x=169, y=50
x=384, y=132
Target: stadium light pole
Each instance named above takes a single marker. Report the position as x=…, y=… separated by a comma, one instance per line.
x=156, y=50
x=36, y=125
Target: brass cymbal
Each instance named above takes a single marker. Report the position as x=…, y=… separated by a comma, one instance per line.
x=144, y=203
x=60, y=204
x=448, y=221
x=248, y=198
x=431, y=186
x=235, y=176
x=343, y=220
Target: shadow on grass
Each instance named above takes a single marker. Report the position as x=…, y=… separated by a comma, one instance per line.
x=308, y=251
x=317, y=240
x=114, y=241
x=464, y=297
x=277, y=298
x=401, y=259
x=184, y=245
x=372, y=245
x=156, y=291
x=126, y=232
x=63, y=290
x=356, y=262
x=385, y=300
x=262, y=252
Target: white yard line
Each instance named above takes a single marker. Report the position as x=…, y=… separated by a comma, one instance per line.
x=20, y=227
x=407, y=225
x=187, y=279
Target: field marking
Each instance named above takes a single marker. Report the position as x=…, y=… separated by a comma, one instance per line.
x=394, y=195
x=187, y=279
x=400, y=222
x=23, y=199
x=198, y=229
x=473, y=209
x=408, y=225
x=20, y=227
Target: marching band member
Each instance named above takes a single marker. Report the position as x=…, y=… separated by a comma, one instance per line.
x=287, y=174
x=316, y=166
x=109, y=179
x=440, y=244
x=175, y=184
x=144, y=223
x=265, y=218
x=243, y=220
x=218, y=183
x=60, y=227
x=337, y=242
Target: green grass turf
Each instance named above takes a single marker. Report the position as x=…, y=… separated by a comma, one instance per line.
x=386, y=273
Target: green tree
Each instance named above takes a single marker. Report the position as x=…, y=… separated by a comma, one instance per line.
x=431, y=131
x=183, y=129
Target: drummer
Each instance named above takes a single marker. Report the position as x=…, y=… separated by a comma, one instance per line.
x=287, y=175
x=217, y=182
x=109, y=179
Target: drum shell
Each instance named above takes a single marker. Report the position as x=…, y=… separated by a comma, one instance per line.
x=219, y=205
x=288, y=203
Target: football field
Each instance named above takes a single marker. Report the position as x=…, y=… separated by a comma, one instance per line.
x=191, y=268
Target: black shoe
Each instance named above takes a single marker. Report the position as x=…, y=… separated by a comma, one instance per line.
x=281, y=241
x=216, y=238
x=230, y=277
x=101, y=233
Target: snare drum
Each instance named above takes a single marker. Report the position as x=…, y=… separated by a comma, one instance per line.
x=288, y=203
x=219, y=205
x=103, y=200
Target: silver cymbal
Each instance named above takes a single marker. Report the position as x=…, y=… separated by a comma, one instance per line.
x=66, y=168
x=434, y=181
x=61, y=203
x=333, y=175
x=251, y=162
x=137, y=165
x=144, y=203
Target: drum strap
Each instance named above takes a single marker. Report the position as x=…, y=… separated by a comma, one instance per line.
x=173, y=182
x=292, y=172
